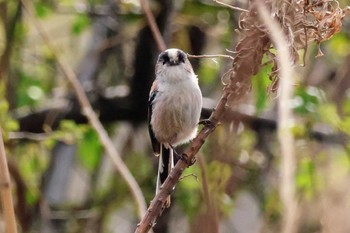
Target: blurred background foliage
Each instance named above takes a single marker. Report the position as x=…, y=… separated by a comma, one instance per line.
x=64, y=183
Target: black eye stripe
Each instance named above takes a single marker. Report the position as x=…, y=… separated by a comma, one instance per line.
x=181, y=56
x=163, y=57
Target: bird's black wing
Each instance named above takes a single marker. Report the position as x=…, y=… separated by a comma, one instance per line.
x=155, y=143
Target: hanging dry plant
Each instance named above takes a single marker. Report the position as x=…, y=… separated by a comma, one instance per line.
x=303, y=22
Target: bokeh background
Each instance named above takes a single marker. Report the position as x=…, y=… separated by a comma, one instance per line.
x=64, y=183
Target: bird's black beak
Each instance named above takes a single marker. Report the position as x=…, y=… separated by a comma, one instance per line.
x=173, y=63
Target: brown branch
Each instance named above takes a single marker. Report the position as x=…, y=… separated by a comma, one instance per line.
x=26, y=213
x=153, y=25
x=5, y=190
x=28, y=136
x=210, y=56
x=92, y=117
x=158, y=201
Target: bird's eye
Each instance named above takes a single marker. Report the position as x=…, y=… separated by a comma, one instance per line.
x=181, y=57
x=163, y=58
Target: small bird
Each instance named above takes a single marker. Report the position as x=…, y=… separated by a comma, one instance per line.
x=175, y=104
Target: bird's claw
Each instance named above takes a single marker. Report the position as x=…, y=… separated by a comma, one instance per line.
x=206, y=122
x=184, y=157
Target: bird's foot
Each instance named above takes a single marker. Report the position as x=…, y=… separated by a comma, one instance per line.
x=184, y=157
x=207, y=122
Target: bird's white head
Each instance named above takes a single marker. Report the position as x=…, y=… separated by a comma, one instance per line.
x=172, y=57
x=173, y=64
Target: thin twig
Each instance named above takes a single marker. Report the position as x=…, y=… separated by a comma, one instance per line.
x=285, y=122
x=28, y=136
x=230, y=51
x=189, y=175
x=231, y=7
x=78, y=214
x=210, y=56
x=5, y=190
x=153, y=25
x=92, y=117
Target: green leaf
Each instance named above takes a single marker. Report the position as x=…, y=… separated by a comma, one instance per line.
x=28, y=87
x=339, y=45
x=11, y=125
x=188, y=192
x=41, y=9
x=305, y=177
x=89, y=150
x=307, y=99
x=208, y=71
x=260, y=83
x=69, y=132
x=81, y=22
x=6, y=121
x=328, y=114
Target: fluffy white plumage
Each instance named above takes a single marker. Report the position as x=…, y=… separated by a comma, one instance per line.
x=175, y=107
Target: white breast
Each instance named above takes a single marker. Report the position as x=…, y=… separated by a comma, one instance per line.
x=176, y=109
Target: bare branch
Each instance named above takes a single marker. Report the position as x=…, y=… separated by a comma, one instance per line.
x=5, y=190
x=92, y=117
x=28, y=136
x=231, y=7
x=153, y=25
x=210, y=56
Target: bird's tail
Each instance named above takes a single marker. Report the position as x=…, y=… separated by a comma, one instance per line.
x=166, y=163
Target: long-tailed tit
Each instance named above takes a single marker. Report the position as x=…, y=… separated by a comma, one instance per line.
x=175, y=104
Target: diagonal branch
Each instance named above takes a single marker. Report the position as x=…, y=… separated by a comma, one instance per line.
x=153, y=25
x=158, y=201
x=5, y=191
x=92, y=117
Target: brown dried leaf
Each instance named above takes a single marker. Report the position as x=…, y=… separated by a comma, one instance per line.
x=303, y=22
